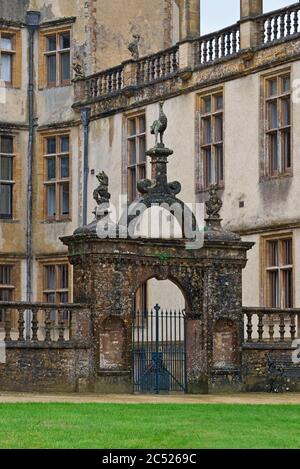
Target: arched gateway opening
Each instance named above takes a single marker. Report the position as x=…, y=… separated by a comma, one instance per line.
x=158, y=338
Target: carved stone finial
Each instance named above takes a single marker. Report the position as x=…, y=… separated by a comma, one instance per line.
x=101, y=194
x=213, y=207
x=159, y=126
x=133, y=47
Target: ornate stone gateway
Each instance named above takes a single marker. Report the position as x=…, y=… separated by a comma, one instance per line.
x=108, y=271
x=158, y=351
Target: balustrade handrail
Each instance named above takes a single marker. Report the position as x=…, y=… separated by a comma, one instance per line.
x=25, y=305
x=107, y=71
x=277, y=12
x=213, y=34
x=271, y=311
x=174, y=48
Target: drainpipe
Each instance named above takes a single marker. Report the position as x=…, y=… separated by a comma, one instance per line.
x=85, y=115
x=32, y=22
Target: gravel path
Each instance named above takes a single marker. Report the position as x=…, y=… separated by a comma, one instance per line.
x=253, y=398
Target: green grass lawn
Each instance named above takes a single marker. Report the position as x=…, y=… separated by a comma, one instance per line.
x=149, y=426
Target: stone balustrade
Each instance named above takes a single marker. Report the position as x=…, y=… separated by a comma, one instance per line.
x=280, y=24
x=268, y=325
x=104, y=83
x=215, y=46
x=157, y=66
x=43, y=322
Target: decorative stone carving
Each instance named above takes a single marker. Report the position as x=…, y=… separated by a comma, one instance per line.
x=78, y=67
x=214, y=204
x=101, y=194
x=160, y=126
x=133, y=47
x=159, y=191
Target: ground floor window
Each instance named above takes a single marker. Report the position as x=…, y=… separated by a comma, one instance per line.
x=56, y=285
x=278, y=275
x=6, y=287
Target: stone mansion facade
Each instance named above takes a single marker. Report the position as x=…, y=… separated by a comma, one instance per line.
x=74, y=103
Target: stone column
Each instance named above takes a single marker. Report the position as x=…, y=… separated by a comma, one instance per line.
x=250, y=29
x=189, y=18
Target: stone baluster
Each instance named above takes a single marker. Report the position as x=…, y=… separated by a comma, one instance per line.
x=296, y=21
x=260, y=328
x=288, y=23
x=275, y=27
x=269, y=30
x=48, y=324
x=211, y=50
x=228, y=43
x=217, y=47
x=234, y=41
x=271, y=330
x=282, y=328
x=94, y=88
x=105, y=84
x=163, y=65
x=21, y=325
x=147, y=71
x=34, y=325
x=139, y=75
x=293, y=327
x=281, y=20
x=158, y=67
x=249, y=327
x=100, y=85
x=114, y=81
x=168, y=64
x=205, y=52
x=222, y=45
x=175, y=60
x=110, y=83
x=153, y=70
x=7, y=325
x=61, y=326
x=120, y=79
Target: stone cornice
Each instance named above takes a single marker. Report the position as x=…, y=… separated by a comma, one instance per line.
x=58, y=22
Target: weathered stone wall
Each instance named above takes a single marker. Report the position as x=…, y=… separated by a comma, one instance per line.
x=256, y=377
x=14, y=10
x=57, y=369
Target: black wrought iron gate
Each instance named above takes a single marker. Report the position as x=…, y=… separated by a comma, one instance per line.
x=158, y=351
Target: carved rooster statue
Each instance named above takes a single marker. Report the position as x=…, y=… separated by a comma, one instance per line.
x=159, y=126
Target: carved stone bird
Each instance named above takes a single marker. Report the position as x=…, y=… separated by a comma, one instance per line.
x=134, y=47
x=159, y=126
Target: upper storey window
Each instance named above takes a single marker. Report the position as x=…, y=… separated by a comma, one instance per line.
x=6, y=176
x=10, y=57
x=7, y=56
x=211, y=140
x=278, y=125
x=136, y=153
x=57, y=59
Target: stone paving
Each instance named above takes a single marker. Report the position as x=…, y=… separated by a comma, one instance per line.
x=253, y=398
